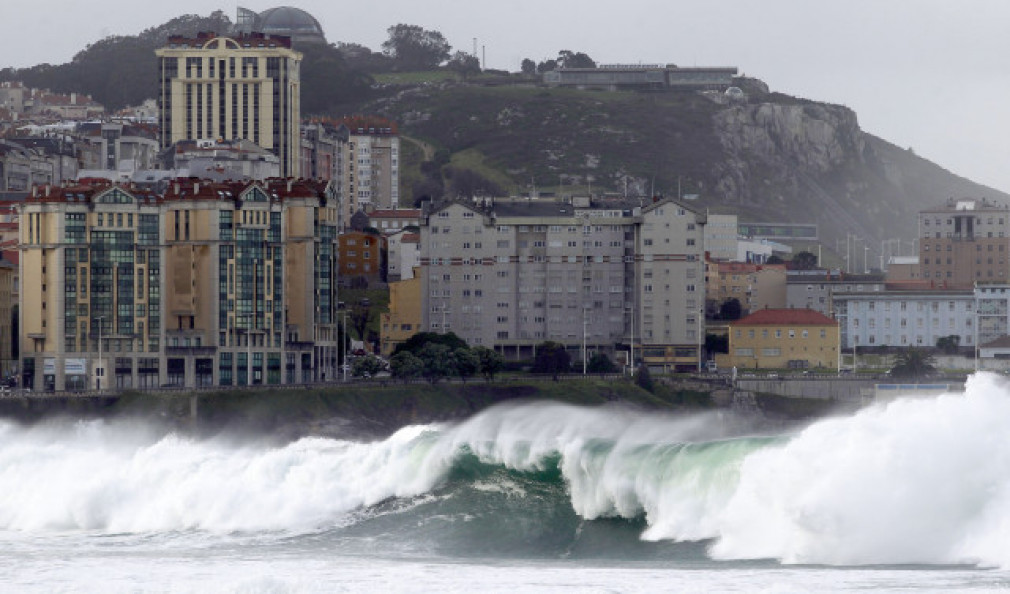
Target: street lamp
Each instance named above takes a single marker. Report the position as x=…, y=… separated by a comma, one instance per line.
x=98, y=376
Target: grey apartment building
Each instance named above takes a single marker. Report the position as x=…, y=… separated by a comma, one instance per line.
x=510, y=274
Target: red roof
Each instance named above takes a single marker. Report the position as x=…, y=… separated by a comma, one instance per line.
x=785, y=317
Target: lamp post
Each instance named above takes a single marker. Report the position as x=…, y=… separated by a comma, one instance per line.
x=98, y=376
x=584, y=323
x=974, y=346
x=343, y=366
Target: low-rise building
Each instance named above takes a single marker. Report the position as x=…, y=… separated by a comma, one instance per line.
x=362, y=257
x=404, y=317
x=905, y=318
x=783, y=339
x=812, y=289
x=404, y=248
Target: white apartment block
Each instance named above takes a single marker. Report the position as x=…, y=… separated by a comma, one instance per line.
x=905, y=318
x=517, y=273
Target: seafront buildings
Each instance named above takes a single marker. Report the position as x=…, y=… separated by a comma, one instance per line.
x=203, y=284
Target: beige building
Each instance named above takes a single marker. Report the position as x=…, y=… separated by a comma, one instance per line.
x=404, y=317
x=8, y=299
x=964, y=241
x=756, y=286
x=783, y=339
x=204, y=284
x=229, y=88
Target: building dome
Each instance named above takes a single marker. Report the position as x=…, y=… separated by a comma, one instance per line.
x=292, y=22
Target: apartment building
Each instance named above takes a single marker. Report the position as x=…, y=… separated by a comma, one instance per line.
x=755, y=286
x=371, y=175
x=404, y=254
x=914, y=318
x=783, y=339
x=813, y=289
x=228, y=88
x=203, y=284
x=964, y=241
x=362, y=256
x=510, y=274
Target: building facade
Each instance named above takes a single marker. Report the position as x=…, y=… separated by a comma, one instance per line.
x=755, y=286
x=964, y=241
x=905, y=318
x=404, y=317
x=813, y=289
x=784, y=339
x=232, y=87
x=371, y=175
x=512, y=274
x=204, y=284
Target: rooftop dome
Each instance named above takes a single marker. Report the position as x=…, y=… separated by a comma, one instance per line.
x=292, y=22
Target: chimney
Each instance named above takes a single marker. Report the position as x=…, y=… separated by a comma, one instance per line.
x=196, y=188
x=47, y=190
x=73, y=98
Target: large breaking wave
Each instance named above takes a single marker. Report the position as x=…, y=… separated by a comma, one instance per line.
x=914, y=481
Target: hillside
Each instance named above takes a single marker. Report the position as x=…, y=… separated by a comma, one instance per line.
x=772, y=158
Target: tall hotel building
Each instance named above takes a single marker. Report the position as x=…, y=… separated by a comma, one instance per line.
x=229, y=88
x=203, y=284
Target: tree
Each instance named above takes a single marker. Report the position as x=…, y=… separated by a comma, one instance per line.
x=405, y=365
x=467, y=363
x=361, y=316
x=438, y=360
x=490, y=362
x=366, y=366
x=949, y=344
x=913, y=363
x=414, y=48
x=600, y=363
x=467, y=183
x=730, y=309
x=415, y=343
x=528, y=67
x=570, y=59
x=643, y=379
x=804, y=261
x=715, y=343
x=547, y=66
x=775, y=259
x=552, y=358
x=464, y=64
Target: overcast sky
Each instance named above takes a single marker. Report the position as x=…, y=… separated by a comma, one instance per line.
x=928, y=74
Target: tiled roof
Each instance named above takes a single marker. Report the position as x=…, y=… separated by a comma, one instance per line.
x=783, y=317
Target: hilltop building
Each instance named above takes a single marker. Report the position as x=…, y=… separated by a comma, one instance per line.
x=202, y=284
x=643, y=76
x=224, y=88
x=287, y=21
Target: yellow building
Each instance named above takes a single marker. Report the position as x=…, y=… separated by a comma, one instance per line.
x=404, y=317
x=783, y=339
x=202, y=284
x=228, y=88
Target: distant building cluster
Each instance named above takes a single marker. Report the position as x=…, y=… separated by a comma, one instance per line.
x=205, y=239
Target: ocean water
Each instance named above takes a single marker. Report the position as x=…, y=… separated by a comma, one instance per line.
x=911, y=496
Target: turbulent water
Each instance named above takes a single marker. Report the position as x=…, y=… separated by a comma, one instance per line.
x=912, y=495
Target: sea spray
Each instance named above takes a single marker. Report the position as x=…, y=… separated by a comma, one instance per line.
x=918, y=480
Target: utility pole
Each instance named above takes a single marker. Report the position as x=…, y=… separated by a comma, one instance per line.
x=585, y=321
x=100, y=366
